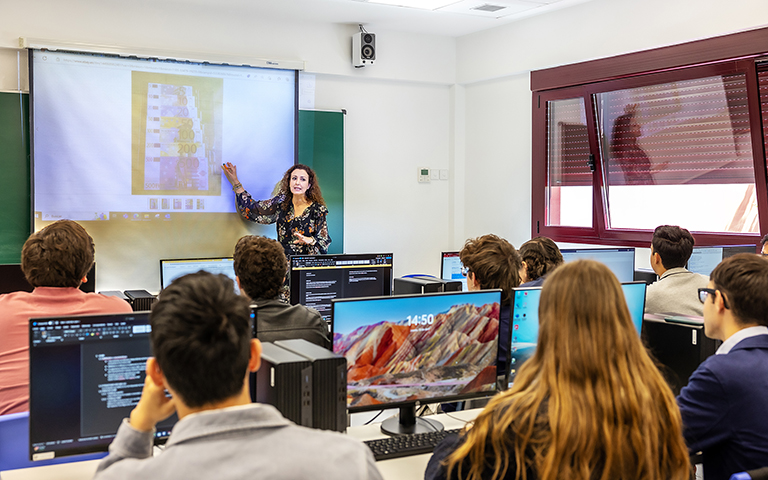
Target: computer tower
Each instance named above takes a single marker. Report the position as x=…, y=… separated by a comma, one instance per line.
x=424, y=284
x=679, y=348
x=284, y=381
x=329, y=384
x=140, y=300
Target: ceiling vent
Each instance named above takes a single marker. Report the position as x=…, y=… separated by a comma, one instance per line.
x=489, y=8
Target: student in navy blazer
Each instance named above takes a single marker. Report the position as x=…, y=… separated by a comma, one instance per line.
x=724, y=406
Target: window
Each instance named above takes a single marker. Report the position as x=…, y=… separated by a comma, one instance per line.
x=624, y=152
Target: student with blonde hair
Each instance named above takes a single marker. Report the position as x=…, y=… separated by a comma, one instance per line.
x=589, y=404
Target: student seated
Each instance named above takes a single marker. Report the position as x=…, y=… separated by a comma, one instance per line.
x=724, y=404
x=763, y=247
x=675, y=290
x=589, y=404
x=492, y=262
x=204, y=351
x=261, y=267
x=540, y=257
x=55, y=261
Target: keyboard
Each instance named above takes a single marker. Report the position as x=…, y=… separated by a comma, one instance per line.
x=405, y=445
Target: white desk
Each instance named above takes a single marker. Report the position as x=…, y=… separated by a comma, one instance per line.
x=405, y=468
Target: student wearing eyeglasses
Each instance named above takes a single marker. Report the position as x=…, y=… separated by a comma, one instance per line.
x=724, y=404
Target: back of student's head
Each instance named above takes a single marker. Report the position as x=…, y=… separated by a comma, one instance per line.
x=201, y=337
x=743, y=278
x=541, y=256
x=589, y=403
x=59, y=255
x=261, y=266
x=494, y=262
x=673, y=244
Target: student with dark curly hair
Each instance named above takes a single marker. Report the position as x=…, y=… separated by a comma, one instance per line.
x=298, y=210
x=55, y=261
x=540, y=257
x=261, y=267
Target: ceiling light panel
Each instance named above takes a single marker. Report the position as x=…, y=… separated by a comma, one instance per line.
x=421, y=4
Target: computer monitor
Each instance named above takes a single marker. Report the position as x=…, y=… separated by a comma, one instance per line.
x=315, y=280
x=410, y=349
x=621, y=261
x=704, y=259
x=171, y=269
x=86, y=375
x=525, y=320
x=450, y=269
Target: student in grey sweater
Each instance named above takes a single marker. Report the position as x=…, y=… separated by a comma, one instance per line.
x=676, y=290
x=201, y=338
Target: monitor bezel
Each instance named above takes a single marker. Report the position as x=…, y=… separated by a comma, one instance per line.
x=431, y=400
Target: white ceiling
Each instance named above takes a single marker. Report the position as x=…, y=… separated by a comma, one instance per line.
x=455, y=20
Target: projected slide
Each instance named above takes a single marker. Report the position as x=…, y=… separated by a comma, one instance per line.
x=130, y=139
x=177, y=134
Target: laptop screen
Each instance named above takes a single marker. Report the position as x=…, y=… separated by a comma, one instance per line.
x=173, y=269
x=86, y=375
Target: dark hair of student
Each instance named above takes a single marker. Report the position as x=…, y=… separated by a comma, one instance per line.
x=59, y=255
x=201, y=337
x=589, y=404
x=541, y=256
x=261, y=266
x=743, y=280
x=673, y=244
x=313, y=193
x=494, y=262
x=763, y=241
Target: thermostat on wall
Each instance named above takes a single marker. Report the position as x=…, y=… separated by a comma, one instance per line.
x=423, y=174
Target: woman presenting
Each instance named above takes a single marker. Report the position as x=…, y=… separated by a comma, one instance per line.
x=298, y=209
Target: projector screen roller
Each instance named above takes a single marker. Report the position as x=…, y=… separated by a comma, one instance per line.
x=124, y=139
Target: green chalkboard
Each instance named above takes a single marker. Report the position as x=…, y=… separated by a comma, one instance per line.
x=14, y=179
x=321, y=147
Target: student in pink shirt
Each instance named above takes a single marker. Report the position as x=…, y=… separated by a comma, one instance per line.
x=55, y=261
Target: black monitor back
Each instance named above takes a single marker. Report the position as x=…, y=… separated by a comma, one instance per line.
x=12, y=279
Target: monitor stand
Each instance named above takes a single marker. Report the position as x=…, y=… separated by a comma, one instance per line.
x=407, y=423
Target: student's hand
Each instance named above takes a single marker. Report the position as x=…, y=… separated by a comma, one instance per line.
x=153, y=407
x=230, y=171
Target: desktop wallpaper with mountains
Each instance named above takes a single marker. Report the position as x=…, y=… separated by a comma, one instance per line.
x=400, y=361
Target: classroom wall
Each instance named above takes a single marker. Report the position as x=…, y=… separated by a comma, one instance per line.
x=494, y=67
x=398, y=115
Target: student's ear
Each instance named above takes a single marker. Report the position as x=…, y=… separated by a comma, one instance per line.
x=84, y=280
x=720, y=301
x=255, y=361
x=239, y=287
x=154, y=372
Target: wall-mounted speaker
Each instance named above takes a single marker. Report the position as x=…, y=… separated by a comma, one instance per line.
x=363, y=49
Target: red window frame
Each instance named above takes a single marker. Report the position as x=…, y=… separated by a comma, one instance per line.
x=736, y=53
